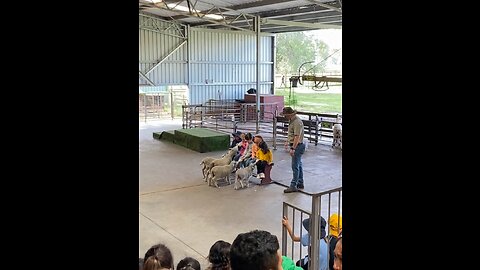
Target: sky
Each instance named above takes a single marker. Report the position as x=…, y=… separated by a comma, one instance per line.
x=333, y=37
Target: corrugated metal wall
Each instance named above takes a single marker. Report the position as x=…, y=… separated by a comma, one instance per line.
x=155, y=46
x=222, y=63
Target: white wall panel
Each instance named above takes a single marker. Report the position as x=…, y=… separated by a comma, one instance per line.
x=222, y=62
x=155, y=45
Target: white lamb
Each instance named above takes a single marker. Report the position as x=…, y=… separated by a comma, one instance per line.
x=242, y=175
x=219, y=172
x=206, y=165
x=337, y=136
x=207, y=162
x=222, y=161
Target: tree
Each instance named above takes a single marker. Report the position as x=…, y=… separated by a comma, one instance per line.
x=297, y=48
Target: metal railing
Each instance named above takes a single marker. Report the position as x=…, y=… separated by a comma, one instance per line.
x=228, y=116
x=325, y=204
x=317, y=127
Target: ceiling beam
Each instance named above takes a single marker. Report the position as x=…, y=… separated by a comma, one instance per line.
x=244, y=6
x=288, y=12
x=295, y=11
x=301, y=24
x=218, y=10
x=274, y=28
x=313, y=13
x=303, y=17
x=150, y=23
x=283, y=29
x=322, y=4
x=193, y=13
x=258, y=4
x=318, y=15
x=310, y=19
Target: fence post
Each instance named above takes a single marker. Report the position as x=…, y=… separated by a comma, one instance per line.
x=315, y=235
x=171, y=103
x=275, y=130
x=145, y=106
x=284, y=230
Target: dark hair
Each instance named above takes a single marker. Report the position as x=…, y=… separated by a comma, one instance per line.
x=188, y=263
x=248, y=136
x=157, y=257
x=219, y=255
x=255, y=250
x=263, y=145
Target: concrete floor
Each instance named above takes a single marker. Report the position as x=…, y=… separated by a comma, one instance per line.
x=180, y=210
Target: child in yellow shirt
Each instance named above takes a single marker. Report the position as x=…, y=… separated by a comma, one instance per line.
x=264, y=157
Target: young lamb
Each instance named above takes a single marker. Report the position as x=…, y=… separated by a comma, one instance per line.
x=242, y=175
x=218, y=172
x=337, y=136
x=222, y=161
x=206, y=163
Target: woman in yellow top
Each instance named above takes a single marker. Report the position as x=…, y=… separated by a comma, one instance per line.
x=264, y=157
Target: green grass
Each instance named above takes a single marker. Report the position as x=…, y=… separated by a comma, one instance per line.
x=312, y=101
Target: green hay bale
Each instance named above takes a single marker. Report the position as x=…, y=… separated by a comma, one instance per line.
x=202, y=140
x=165, y=135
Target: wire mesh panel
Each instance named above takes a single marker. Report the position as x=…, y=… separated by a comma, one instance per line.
x=153, y=105
x=160, y=102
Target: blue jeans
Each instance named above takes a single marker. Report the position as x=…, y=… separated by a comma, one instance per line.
x=297, y=166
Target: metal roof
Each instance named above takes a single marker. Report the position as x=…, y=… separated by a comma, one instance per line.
x=276, y=16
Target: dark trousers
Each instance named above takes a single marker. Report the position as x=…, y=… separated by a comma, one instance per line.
x=261, y=164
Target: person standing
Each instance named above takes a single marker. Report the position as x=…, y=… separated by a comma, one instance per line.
x=297, y=148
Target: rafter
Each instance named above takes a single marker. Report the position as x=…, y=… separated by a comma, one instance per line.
x=311, y=9
x=317, y=2
x=301, y=24
x=151, y=23
x=190, y=11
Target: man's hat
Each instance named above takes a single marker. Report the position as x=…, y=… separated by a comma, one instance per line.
x=288, y=111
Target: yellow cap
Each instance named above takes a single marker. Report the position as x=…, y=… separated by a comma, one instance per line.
x=335, y=224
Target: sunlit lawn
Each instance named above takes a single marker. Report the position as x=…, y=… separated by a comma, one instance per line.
x=312, y=101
